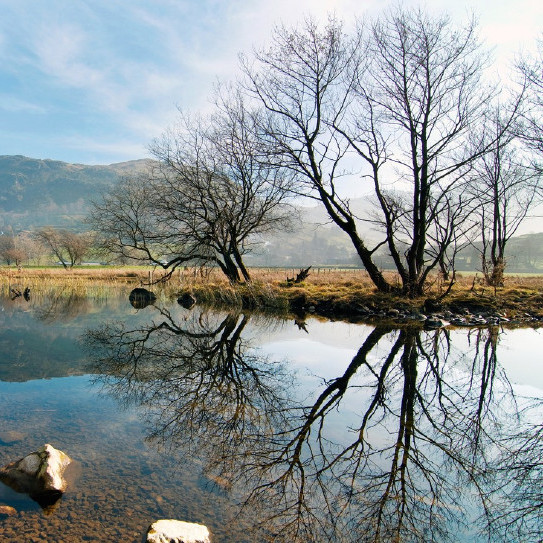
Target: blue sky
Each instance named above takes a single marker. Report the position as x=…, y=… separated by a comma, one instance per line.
x=95, y=81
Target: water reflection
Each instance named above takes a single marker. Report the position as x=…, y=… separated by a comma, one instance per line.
x=39, y=336
x=416, y=439
x=198, y=379
x=517, y=493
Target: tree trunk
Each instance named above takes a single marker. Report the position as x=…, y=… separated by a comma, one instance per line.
x=241, y=265
x=347, y=224
x=229, y=268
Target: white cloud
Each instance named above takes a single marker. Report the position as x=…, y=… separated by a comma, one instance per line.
x=60, y=50
x=122, y=68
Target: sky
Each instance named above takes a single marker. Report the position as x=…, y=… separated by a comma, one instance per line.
x=95, y=81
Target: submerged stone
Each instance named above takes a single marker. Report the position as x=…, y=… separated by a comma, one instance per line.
x=11, y=436
x=177, y=531
x=7, y=511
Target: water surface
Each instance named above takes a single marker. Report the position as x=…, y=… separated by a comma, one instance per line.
x=268, y=429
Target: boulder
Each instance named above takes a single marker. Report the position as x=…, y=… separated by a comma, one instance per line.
x=177, y=531
x=186, y=300
x=39, y=474
x=141, y=297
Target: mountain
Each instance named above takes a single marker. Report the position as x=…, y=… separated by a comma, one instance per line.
x=36, y=192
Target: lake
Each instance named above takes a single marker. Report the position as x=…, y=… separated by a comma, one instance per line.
x=267, y=429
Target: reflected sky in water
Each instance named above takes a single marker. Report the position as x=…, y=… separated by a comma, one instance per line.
x=326, y=432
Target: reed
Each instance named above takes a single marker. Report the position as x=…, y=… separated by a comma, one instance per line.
x=269, y=290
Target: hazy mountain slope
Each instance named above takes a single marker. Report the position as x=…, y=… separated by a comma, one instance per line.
x=35, y=192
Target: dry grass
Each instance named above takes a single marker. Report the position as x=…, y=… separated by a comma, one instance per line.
x=81, y=281
x=345, y=287
x=269, y=288
x=74, y=275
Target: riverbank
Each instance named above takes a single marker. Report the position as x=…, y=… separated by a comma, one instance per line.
x=350, y=295
x=335, y=294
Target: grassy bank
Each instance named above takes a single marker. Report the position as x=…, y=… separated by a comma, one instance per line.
x=330, y=292
x=340, y=293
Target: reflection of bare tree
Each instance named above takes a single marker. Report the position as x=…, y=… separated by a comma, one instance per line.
x=423, y=426
x=198, y=381
x=395, y=477
x=63, y=304
x=518, y=505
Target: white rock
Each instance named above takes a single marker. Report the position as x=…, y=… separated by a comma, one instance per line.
x=54, y=462
x=177, y=531
x=40, y=471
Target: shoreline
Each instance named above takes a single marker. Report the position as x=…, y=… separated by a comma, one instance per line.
x=331, y=294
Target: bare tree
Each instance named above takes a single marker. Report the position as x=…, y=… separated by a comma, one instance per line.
x=18, y=248
x=505, y=189
x=8, y=251
x=300, y=82
x=68, y=247
x=403, y=96
x=421, y=98
x=207, y=199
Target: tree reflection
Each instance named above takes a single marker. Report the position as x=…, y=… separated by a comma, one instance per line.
x=200, y=384
x=518, y=500
x=416, y=461
x=63, y=305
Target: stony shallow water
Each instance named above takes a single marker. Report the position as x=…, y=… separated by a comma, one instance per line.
x=325, y=431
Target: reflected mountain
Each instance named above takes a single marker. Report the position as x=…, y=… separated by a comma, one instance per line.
x=410, y=442
x=39, y=337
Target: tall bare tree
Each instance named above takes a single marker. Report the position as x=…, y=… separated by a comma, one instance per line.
x=301, y=84
x=420, y=96
x=403, y=95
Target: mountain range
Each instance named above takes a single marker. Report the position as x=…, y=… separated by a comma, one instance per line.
x=35, y=192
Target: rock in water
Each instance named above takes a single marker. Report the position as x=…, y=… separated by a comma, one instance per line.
x=186, y=300
x=141, y=297
x=39, y=474
x=177, y=531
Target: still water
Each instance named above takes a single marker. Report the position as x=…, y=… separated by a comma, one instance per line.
x=266, y=429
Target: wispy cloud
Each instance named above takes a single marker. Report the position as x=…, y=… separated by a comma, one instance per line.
x=14, y=105
x=110, y=72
